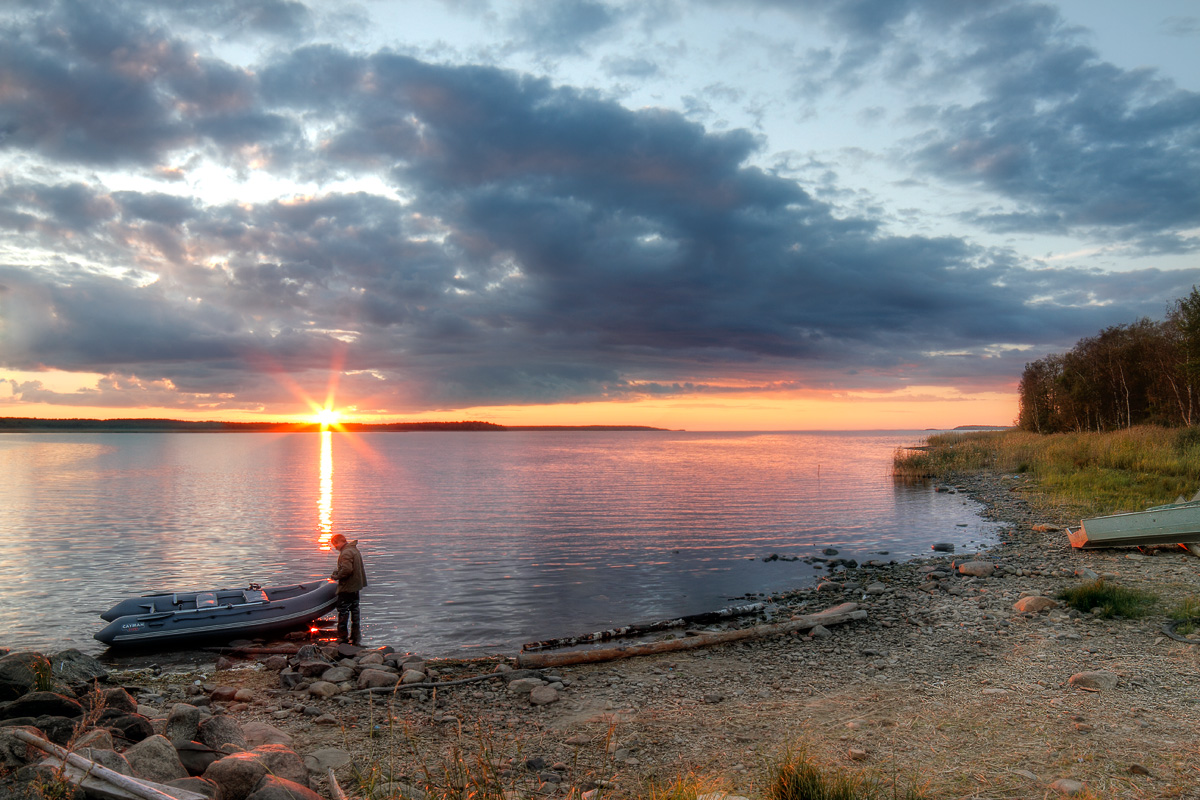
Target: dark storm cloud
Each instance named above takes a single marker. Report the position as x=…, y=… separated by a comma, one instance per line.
x=92, y=84
x=543, y=243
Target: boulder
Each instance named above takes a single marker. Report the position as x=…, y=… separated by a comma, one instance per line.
x=106, y=758
x=372, y=678
x=237, y=775
x=183, y=723
x=275, y=788
x=154, y=759
x=37, y=704
x=1033, y=604
x=222, y=730
x=59, y=730
x=312, y=668
x=201, y=786
x=282, y=762
x=411, y=676
x=326, y=758
x=76, y=669
x=196, y=757
x=17, y=674
x=13, y=752
x=131, y=727
x=115, y=700
x=337, y=674
x=260, y=733
x=99, y=738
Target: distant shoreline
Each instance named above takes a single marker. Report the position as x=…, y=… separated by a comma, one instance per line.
x=30, y=425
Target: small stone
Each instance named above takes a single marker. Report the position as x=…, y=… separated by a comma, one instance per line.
x=944, y=547
x=1068, y=786
x=1033, y=604
x=857, y=754
x=1137, y=769
x=1095, y=679
x=543, y=695
x=323, y=689
x=977, y=569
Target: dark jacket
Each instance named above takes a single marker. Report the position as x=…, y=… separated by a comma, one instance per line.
x=350, y=573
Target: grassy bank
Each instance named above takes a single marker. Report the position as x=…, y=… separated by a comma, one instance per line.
x=1081, y=473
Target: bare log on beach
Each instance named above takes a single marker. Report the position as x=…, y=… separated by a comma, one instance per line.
x=846, y=612
x=102, y=781
x=644, y=628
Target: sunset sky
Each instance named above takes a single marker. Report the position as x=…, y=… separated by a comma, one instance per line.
x=702, y=214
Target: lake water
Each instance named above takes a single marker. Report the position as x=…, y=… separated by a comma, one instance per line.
x=475, y=542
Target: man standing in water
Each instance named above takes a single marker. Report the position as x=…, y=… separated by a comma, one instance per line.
x=352, y=579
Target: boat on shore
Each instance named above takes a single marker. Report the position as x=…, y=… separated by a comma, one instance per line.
x=1176, y=523
x=173, y=617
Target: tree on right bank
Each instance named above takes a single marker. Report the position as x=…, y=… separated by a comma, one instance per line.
x=1143, y=373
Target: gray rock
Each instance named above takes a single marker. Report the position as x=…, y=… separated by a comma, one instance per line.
x=237, y=775
x=1095, y=679
x=275, y=788
x=1068, y=786
x=154, y=758
x=337, y=674
x=411, y=676
x=17, y=674
x=524, y=685
x=106, y=758
x=200, y=786
x=1033, y=604
x=313, y=668
x=76, y=669
x=543, y=695
x=323, y=689
x=196, y=757
x=326, y=758
x=282, y=762
x=977, y=569
x=131, y=727
x=183, y=723
x=14, y=752
x=260, y=733
x=99, y=738
x=37, y=704
x=374, y=678
x=222, y=730
x=112, y=700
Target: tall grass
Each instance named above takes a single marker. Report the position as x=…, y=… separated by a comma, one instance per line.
x=1091, y=473
x=798, y=777
x=1108, y=599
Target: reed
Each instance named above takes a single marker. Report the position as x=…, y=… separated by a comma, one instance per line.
x=1087, y=473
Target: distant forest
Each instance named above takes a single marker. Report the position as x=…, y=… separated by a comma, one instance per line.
x=20, y=424
x=1143, y=373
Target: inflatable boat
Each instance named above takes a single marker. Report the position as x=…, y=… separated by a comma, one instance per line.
x=171, y=617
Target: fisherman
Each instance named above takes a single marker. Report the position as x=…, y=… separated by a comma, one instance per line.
x=352, y=579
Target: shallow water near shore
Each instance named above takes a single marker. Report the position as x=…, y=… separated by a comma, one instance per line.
x=475, y=542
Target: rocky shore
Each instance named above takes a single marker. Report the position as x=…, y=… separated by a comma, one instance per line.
x=965, y=679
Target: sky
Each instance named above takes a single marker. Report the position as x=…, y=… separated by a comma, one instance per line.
x=701, y=214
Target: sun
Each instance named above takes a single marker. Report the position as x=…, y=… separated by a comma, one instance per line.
x=326, y=417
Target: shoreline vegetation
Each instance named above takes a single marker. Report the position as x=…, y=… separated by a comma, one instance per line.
x=1029, y=669
x=33, y=425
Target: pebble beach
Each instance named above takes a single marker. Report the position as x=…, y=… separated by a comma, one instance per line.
x=965, y=679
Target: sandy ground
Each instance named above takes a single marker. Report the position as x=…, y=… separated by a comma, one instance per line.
x=944, y=687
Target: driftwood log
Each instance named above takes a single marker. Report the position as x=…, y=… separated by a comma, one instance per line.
x=647, y=627
x=101, y=780
x=845, y=612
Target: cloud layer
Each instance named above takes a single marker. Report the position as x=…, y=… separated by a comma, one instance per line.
x=484, y=235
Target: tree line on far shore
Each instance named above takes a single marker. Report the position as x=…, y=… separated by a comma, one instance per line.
x=1143, y=373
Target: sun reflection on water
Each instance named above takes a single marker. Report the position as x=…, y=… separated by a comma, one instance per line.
x=325, y=497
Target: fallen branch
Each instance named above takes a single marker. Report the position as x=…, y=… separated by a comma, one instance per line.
x=845, y=612
x=334, y=788
x=426, y=685
x=82, y=771
x=644, y=628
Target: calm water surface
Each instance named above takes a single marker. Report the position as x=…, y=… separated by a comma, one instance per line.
x=474, y=542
